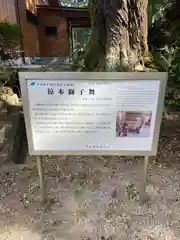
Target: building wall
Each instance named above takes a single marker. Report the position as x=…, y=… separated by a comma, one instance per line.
x=35, y=41
x=53, y=45
x=29, y=30
x=31, y=37
x=8, y=11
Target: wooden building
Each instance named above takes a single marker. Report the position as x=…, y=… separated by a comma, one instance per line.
x=45, y=25
x=7, y=11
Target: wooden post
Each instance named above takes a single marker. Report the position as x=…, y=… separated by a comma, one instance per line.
x=41, y=179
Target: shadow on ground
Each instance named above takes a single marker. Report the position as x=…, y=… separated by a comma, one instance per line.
x=90, y=198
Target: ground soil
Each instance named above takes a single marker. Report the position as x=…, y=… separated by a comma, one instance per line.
x=94, y=197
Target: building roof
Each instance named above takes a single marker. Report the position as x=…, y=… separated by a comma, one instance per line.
x=63, y=8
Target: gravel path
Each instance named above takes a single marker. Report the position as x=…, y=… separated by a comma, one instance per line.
x=89, y=198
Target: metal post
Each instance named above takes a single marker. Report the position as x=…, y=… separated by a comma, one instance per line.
x=146, y=165
x=41, y=179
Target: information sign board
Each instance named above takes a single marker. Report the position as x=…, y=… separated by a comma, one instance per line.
x=76, y=113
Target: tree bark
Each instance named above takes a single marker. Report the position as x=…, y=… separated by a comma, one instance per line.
x=15, y=136
x=119, y=35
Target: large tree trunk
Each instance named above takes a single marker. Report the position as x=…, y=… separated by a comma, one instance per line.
x=119, y=35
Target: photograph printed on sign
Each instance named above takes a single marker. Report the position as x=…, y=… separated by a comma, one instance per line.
x=133, y=124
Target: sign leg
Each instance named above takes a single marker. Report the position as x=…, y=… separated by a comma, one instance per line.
x=143, y=190
x=41, y=179
x=146, y=165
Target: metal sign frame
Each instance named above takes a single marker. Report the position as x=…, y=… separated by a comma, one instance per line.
x=161, y=76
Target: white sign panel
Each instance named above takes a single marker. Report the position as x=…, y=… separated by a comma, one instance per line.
x=93, y=113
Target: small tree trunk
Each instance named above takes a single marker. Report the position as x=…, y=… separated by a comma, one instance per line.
x=15, y=136
x=19, y=151
x=119, y=35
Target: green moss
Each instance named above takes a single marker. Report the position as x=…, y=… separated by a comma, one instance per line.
x=88, y=60
x=92, y=55
x=5, y=75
